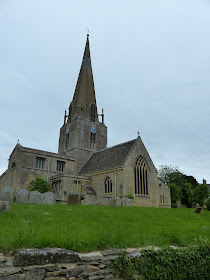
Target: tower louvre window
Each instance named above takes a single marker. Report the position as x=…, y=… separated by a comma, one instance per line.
x=108, y=185
x=141, y=177
x=60, y=166
x=93, y=113
x=92, y=140
x=40, y=162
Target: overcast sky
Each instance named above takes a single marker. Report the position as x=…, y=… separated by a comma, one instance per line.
x=151, y=67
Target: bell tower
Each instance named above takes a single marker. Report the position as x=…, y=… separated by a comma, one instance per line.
x=82, y=133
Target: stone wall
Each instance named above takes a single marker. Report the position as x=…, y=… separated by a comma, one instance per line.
x=60, y=264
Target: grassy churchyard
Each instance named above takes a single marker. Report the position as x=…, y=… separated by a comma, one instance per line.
x=88, y=228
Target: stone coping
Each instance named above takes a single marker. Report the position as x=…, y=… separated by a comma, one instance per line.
x=61, y=264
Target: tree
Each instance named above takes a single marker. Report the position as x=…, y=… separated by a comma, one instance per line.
x=40, y=185
x=175, y=191
x=172, y=175
x=201, y=192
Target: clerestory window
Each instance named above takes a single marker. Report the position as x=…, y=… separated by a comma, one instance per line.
x=141, y=177
x=60, y=166
x=40, y=162
x=108, y=185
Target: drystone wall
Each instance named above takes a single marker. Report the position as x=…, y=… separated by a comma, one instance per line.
x=59, y=264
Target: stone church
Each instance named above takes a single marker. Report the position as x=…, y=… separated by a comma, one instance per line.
x=84, y=165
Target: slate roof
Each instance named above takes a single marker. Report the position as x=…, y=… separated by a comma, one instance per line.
x=113, y=157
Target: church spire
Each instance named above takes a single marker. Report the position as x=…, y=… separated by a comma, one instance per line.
x=84, y=95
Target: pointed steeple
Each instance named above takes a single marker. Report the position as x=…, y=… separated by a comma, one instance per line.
x=84, y=95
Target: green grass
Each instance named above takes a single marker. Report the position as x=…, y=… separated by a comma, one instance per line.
x=87, y=228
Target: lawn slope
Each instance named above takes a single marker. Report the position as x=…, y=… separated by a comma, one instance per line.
x=87, y=228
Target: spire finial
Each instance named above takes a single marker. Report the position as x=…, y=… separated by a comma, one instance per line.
x=88, y=31
x=138, y=133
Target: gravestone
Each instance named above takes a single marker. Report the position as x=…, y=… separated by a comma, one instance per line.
x=4, y=206
x=22, y=196
x=35, y=197
x=118, y=202
x=198, y=210
x=124, y=201
x=194, y=205
x=178, y=204
x=48, y=198
x=112, y=202
x=73, y=198
x=129, y=202
x=6, y=194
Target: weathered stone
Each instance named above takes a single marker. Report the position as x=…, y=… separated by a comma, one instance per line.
x=57, y=273
x=47, y=267
x=133, y=252
x=4, y=206
x=102, y=266
x=112, y=202
x=178, y=204
x=118, y=202
x=35, y=197
x=6, y=271
x=128, y=202
x=56, y=278
x=198, y=210
x=14, y=277
x=91, y=268
x=43, y=256
x=96, y=277
x=194, y=204
x=92, y=256
x=22, y=196
x=110, y=252
x=71, y=278
x=68, y=266
x=48, y=198
x=6, y=194
x=75, y=271
x=73, y=198
x=124, y=199
x=173, y=247
x=36, y=274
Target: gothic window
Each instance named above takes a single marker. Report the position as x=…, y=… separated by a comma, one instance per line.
x=162, y=200
x=92, y=140
x=60, y=166
x=40, y=162
x=93, y=113
x=108, y=185
x=141, y=177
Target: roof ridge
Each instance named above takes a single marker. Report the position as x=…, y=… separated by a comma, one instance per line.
x=114, y=146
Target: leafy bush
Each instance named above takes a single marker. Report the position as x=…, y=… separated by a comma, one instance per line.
x=40, y=185
x=129, y=196
x=191, y=263
x=208, y=204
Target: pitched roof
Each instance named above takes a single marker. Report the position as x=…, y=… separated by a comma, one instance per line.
x=113, y=157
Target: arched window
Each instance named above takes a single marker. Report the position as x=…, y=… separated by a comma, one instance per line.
x=108, y=185
x=141, y=177
x=93, y=113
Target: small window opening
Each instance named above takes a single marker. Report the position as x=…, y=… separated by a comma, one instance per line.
x=40, y=162
x=60, y=166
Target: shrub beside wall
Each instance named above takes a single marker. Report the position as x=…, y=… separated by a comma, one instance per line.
x=190, y=263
